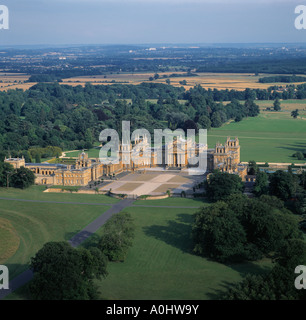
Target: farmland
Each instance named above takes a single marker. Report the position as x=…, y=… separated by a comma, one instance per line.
x=14, y=81
x=236, y=81
x=220, y=81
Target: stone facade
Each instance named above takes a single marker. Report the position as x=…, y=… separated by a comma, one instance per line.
x=225, y=158
x=15, y=162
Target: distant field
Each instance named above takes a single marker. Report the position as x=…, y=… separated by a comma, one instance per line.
x=286, y=105
x=236, y=81
x=14, y=81
x=161, y=266
x=270, y=137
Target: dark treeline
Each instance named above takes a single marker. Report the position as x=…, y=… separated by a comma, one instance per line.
x=285, y=79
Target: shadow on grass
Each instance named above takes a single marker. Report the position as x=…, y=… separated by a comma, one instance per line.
x=297, y=147
x=176, y=233
x=244, y=269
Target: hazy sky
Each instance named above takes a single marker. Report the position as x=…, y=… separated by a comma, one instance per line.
x=150, y=21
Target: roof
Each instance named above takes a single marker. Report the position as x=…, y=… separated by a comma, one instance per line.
x=47, y=165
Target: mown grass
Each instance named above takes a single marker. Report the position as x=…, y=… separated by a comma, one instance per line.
x=178, y=202
x=38, y=223
x=270, y=137
x=161, y=265
x=9, y=240
x=36, y=193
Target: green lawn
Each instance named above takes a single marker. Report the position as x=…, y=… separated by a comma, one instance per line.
x=38, y=223
x=92, y=153
x=36, y=193
x=178, y=202
x=160, y=265
x=270, y=137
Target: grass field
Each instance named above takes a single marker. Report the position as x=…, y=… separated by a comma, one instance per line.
x=270, y=137
x=36, y=193
x=9, y=240
x=180, y=202
x=92, y=153
x=160, y=265
x=37, y=223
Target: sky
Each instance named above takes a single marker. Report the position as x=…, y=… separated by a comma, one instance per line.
x=64, y=22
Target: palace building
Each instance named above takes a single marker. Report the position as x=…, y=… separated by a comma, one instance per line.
x=176, y=155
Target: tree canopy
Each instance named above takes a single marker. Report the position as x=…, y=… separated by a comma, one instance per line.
x=64, y=273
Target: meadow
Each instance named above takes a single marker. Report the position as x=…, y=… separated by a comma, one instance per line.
x=270, y=137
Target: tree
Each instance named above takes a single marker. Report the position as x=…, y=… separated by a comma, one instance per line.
x=64, y=273
x=190, y=124
x=240, y=228
x=216, y=121
x=261, y=184
x=204, y=122
x=156, y=76
x=222, y=184
x=295, y=113
x=251, y=108
x=23, y=178
x=6, y=171
x=218, y=234
x=277, y=105
x=299, y=155
x=253, y=168
x=37, y=158
x=117, y=237
x=278, y=284
x=283, y=185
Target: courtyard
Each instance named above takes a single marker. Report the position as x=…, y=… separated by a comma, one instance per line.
x=154, y=183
